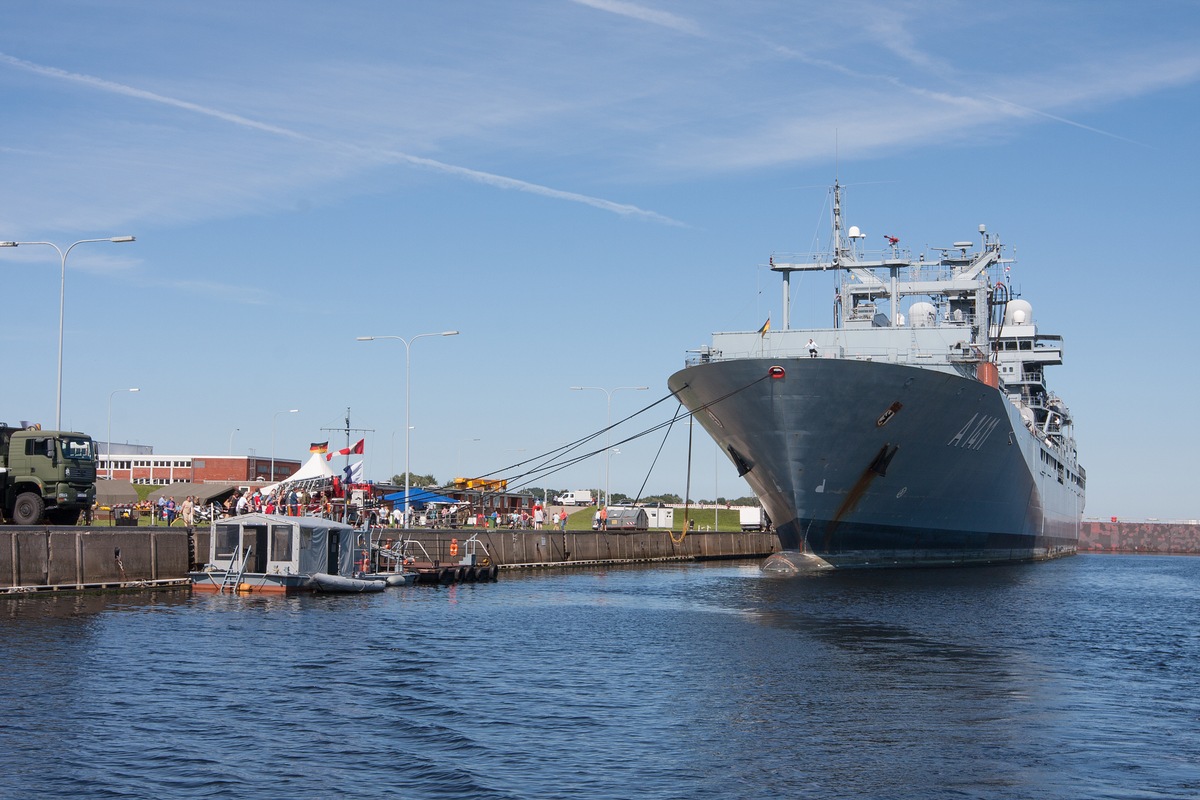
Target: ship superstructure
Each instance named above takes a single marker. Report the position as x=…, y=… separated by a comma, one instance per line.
x=917, y=429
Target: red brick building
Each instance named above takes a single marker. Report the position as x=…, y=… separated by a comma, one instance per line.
x=158, y=470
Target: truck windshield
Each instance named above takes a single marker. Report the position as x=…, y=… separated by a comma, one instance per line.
x=78, y=448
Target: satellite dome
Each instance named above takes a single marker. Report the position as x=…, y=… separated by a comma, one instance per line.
x=1018, y=312
x=922, y=314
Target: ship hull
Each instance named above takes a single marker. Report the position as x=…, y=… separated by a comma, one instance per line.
x=873, y=464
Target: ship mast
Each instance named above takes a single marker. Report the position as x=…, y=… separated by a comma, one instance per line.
x=841, y=248
x=347, y=430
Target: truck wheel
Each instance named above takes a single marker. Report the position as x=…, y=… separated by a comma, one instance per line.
x=28, y=509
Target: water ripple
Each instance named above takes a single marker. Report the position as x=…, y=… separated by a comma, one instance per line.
x=1070, y=679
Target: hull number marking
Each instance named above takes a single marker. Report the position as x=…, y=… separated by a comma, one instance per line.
x=972, y=436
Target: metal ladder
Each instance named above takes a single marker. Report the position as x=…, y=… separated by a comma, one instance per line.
x=232, y=580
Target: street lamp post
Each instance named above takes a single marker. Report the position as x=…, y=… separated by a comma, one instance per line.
x=407, y=400
x=273, y=419
x=231, y=433
x=108, y=444
x=62, y=301
x=607, y=427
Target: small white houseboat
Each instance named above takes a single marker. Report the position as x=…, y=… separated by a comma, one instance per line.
x=273, y=553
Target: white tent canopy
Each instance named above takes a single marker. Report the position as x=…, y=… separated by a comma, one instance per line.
x=316, y=468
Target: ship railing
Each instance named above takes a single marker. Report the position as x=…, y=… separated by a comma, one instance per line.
x=890, y=355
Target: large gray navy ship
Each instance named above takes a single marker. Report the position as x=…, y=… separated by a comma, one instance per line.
x=917, y=430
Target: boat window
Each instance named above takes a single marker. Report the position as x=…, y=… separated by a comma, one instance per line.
x=281, y=542
x=227, y=538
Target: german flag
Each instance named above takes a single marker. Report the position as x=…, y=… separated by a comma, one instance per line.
x=766, y=326
x=319, y=447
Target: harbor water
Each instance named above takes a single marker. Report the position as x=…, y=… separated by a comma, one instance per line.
x=1077, y=678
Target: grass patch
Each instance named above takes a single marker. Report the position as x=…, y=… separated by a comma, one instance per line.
x=726, y=519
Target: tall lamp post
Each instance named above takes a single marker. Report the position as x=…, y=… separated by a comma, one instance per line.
x=62, y=301
x=407, y=397
x=273, y=419
x=108, y=444
x=231, y=433
x=607, y=427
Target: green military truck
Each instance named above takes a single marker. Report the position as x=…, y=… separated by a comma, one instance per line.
x=45, y=476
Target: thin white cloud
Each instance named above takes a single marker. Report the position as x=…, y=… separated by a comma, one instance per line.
x=664, y=19
x=887, y=26
x=479, y=176
x=980, y=104
x=874, y=120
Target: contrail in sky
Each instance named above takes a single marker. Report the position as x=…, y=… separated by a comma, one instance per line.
x=638, y=12
x=1063, y=120
x=488, y=178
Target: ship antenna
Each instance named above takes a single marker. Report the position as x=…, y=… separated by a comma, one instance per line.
x=838, y=243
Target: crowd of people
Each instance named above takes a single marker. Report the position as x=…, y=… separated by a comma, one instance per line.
x=448, y=516
x=288, y=502
x=296, y=501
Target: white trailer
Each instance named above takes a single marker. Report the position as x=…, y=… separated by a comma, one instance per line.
x=753, y=518
x=579, y=497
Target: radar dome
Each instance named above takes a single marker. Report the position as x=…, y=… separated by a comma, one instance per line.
x=922, y=314
x=1018, y=312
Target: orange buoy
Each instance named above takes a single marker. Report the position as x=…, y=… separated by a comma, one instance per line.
x=453, y=547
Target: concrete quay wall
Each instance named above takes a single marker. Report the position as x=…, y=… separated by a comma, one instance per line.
x=508, y=548
x=63, y=558
x=80, y=559
x=33, y=559
x=1165, y=538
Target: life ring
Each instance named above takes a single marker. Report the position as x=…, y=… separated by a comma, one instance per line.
x=408, y=562
x=453, y=547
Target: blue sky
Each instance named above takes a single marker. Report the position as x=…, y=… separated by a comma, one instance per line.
x=585, y=190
